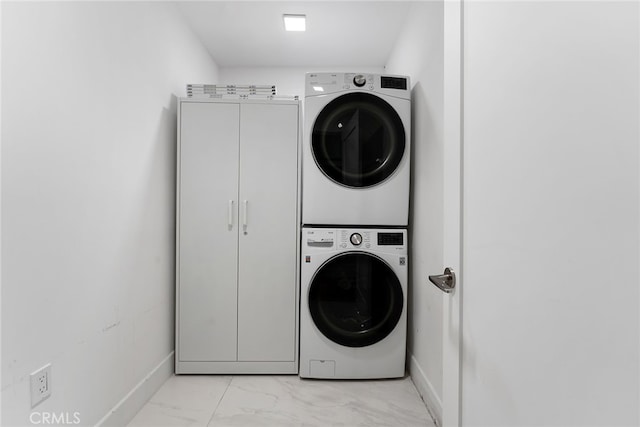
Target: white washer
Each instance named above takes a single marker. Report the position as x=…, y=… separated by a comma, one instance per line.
x=353, y=303
x=356, y=149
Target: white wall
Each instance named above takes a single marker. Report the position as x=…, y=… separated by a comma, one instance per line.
x=418, y=53
x=88, y=176
x=288, y=80
x=551, y=214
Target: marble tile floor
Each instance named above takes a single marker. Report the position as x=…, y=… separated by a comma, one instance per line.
x=282, y=400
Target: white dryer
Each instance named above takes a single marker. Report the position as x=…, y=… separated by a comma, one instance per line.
x=356, y=149
x=353, y=303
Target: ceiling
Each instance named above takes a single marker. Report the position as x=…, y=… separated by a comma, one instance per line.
x=251, y=33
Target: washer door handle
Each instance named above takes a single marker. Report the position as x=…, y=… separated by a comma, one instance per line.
x=445, y=282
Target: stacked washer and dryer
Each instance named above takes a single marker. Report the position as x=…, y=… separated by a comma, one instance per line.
x=355, y=209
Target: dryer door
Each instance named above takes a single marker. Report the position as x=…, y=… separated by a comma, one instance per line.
x=358, y=140
x=355, y=299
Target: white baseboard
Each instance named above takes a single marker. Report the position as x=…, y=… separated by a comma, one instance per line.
x=426, y=390
x=128, y=407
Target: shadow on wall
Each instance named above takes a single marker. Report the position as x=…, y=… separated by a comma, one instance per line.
x=154, y=224
x=419, y=197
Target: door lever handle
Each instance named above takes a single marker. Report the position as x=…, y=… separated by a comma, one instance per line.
x=445, y=282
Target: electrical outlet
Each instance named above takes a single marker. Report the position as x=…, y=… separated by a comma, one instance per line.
x=40, y=384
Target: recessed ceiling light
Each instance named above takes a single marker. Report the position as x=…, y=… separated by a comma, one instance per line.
x=294, y=22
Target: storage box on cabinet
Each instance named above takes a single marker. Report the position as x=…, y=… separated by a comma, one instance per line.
x=237, y=233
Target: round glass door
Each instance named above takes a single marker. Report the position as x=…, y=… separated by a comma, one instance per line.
x=355, y=299
x=358, y=140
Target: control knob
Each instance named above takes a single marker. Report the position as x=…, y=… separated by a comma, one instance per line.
x=359, y=80
x=356, y=239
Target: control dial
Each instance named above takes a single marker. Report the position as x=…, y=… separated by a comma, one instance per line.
x=356, y=239
x=359, y=80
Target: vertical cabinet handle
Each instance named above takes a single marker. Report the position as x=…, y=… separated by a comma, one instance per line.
x=245, y=203
x=230, y=217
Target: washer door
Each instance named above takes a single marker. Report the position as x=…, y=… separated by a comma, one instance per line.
x=355, y=299
x=358, y=140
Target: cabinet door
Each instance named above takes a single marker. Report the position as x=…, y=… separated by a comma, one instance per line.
x=267, y=260
x=207, y=244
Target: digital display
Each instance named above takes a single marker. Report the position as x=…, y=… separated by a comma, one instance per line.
x=393, y=82
x=390, y=239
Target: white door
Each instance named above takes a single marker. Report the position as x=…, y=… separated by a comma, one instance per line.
x=268, y=232
x=208, y=231
x=452, y=198
x=549, y=202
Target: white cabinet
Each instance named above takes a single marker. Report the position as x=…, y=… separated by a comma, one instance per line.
x=237, y=236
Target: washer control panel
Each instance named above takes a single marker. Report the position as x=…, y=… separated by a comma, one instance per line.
x=386, y=240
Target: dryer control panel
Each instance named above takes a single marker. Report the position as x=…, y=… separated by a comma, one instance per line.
x=326, y=83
